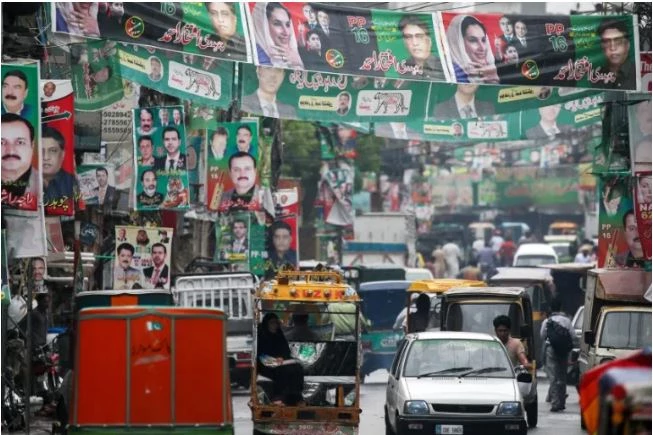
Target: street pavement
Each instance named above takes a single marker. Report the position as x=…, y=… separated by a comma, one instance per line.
x=373, y=399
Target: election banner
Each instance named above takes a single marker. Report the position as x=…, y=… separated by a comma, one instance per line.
x=642, y=197
x=142, y=258
x=213, y=29
x=490, y=128
x=195, y=142
x=619, y=240
x=346, y=40
x=305, y=95
x=22, y=183
x=204, y=80
x=233, y=236
x=97, y=184
x=639, y=127
x=569, y=51
x=465, y=101
x=117, y=117
x=96, y=75
x=561, y=121
x=283, y=235
x=58, y=145
x=337, y=140
x=160, y=157
x=233, y=164
x=335, y=190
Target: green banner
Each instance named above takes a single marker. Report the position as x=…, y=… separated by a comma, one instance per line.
x=248, y=254
x=465, y=101
x=524, y=190
x=204, y=80
x=22, y=181
x=545, y=123
x=564, y=50
x=96, y=75
x=305, y=95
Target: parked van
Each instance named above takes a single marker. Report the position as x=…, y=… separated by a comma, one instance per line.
x=534, y=254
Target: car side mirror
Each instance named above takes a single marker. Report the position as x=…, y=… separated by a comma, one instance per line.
x=588, y=337
x=525, y=378
x=525, y=331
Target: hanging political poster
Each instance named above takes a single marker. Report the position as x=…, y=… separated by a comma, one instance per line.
x=639, y=127
x=204, y=80
x=195, y=142
x=561, y=121
x=305, y=95
x=335, y=190
x=97, y=186
x=22, y=183
x=283, y=236
x=569, y=51
x=57, y=143
x=642, y=209
x=233, y=163
x=117, y=117
x=96, y=75
x=142, y=258
x=233, y=239
x=346, y=40
x=160, y=157
x=213, y=29
x=619, y=240
x=470, y=100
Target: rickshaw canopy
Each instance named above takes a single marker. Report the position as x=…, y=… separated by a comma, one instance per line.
x=441, y=285
x=521, y=274
x=303, y=286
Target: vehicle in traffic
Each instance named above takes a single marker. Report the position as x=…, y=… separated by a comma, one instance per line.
x=434, y=288
x=573, y=370
x=417, y=273
x=231, y=293
x=379, y=302
x=326, y=357
x=470, y=388
x=617, y=317
x=534, y=254
x=562, y=231
x=481, y=230
x=145, y=368
x=356, y=275
x=562, y=250
x=539, y=286
x=514, y=229
x=473, y=309
x=569, y=280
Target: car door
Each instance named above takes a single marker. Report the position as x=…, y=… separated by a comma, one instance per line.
x=393, y=381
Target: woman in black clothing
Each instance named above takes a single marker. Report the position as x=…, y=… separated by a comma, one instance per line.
x=274, y=362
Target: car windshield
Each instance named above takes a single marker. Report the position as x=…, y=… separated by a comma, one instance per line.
x=479, y=317
x=626, y=330
x=561, y=250
x=534, y=260
x=457, y=357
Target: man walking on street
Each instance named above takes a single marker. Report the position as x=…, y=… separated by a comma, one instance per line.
x=557, y=330
x=452, y=256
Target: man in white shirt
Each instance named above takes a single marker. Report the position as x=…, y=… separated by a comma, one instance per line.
x=239, y=231
x=452, y=256
x=173, y=160
x=264, y=100
x=496, y=241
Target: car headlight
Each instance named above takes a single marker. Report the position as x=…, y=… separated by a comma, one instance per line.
x=509, y=408
x=416, y=407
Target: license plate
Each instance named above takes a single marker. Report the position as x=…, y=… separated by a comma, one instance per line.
x=448, y=429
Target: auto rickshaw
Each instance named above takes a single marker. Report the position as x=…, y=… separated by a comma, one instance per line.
x=151, y=370
x=434, y=288
x=329, y=357
x=539, y=285
x=379, y=302
x=473, y=309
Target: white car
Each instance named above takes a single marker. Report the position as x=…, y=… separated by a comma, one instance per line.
x=454, y=383
x=534, y=254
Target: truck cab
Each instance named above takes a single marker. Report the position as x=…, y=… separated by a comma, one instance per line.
x=617, y=317
x=230, y=292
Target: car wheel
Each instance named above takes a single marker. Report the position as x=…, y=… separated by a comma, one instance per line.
x=531, y=413
x=388, y=427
